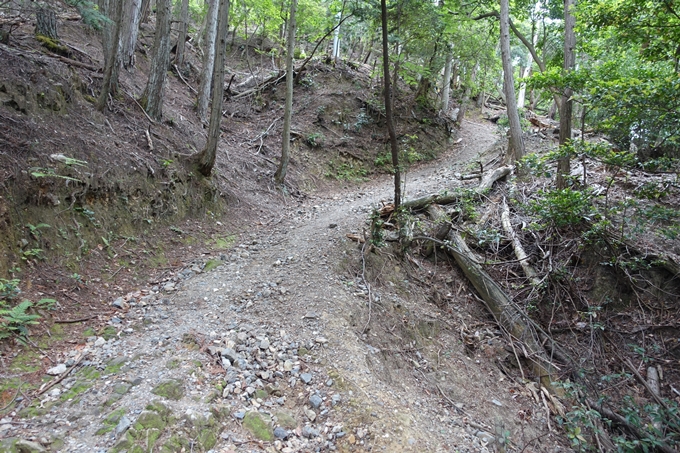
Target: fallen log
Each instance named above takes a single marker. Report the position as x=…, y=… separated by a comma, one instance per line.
x=506, y=313
x=521, y=255
x=448, y=197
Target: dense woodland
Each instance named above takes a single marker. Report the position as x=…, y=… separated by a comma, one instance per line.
x=576, y=255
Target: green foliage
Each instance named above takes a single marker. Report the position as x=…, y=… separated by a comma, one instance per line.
x=348, y=171
x=316, y=139
x=562, y=208
x=15, y=320
x=89, y=13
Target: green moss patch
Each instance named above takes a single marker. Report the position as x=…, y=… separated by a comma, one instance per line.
x=212, y=264
x=111, y=421
x=172, y=389
x=258, y=426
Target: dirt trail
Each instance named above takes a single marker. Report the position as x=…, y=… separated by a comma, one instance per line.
x=272, y=344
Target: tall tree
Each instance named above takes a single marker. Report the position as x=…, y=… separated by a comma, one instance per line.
x=206, y=158
x=516, y=143
x=388, y=107
x=152, y=98
x=110, y=39
x=280, y=174
x=446, y=88
x=563, y=163
x=182, y=37
x=203, y=96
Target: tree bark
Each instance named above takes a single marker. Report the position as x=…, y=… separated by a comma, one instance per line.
x=152, y=98
x=132, y=13
x=446, y=83
x=563, y=164
x=208, y=62
x=110, y=39
x=388, y=108
x=516, y=143
x=181, y=39
x=280, y=175
x=206, y=158
x=46, y=23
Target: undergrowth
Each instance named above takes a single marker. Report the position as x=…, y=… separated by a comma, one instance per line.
x=15, y=318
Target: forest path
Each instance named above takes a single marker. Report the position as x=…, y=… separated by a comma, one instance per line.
x=272, y=344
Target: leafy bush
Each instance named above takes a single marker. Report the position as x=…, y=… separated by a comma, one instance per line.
x=562, y=207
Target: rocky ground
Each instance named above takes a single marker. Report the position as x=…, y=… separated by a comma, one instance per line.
x=277, y=346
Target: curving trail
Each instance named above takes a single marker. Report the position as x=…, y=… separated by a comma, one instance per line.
x=275, y=335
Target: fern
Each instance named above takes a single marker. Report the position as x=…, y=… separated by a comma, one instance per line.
x=15, y=320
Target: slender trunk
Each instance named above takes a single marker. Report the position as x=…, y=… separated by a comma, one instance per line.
x=152, y=98
x=132, y=14
x=208, y=62
x=466, y=96
x=206, y=158
x=523, y=88
x=336, y=41
x=280, y=175
x=516, y=144
x=110, y=39
x=563, y=164
x=181, y=39
x=145, y=11
x=446, y=83
x=388, y=108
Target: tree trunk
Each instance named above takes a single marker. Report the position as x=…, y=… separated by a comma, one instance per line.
x=388, y=108
x=563, y=164
x=46, y=23
x=523, y=87
x=152, y=98
x=336, y=41
x=516, y=143
x=181, y=39
x=280, y=175
x=145, y=11
x=466, y=96
x=206, y=158
x=446, y=83
x=110, y=39
x=132, y=13
x=208, y=62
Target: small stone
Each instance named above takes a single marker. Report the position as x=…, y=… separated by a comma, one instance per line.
x=315, y=401
x=484, y=437
x=306, y=378
x=100, y=341
x=311, y=415
x=239, y=415
x=123, y=424
x=329, y=383
x=169, y=287
x=333, y=225
x=280, y=433
x=497, y=403
x=171, y=389
x=351, y=439
x=120, y=303
x=57, y=370
x=309, y=432
x=321, y=340
x=229, y=354
x=264, y=344
x=55, y=392
x=288, y=365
